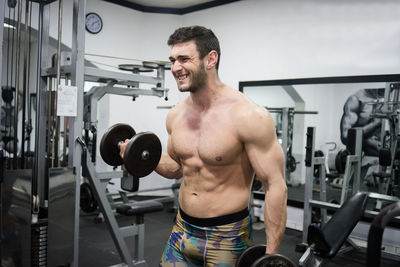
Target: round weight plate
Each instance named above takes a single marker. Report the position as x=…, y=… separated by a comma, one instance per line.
x=250, y=255
x=109, y=149
x=155, y=64
x=135, y=68
x=273, y=260
x=87, y=202
x=142, y=154
x=340, y=160
x=290, y=163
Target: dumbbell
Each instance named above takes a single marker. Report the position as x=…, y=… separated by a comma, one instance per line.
x=255, y=256
x=141, y=155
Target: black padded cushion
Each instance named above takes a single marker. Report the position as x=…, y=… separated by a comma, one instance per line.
x=328, y=239
x=382, y=175
x=140, y=207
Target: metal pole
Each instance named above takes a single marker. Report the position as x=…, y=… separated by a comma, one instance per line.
x=2, y=5
x=76, y=123
x=308, y=186
x=40, y=166
x=28, y=75
x=15, y=153
x=24, y=88
x=57, y=135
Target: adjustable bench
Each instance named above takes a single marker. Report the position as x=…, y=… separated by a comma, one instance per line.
x=137, y=209
x=326, y=241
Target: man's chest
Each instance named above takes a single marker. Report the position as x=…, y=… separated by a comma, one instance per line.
x=212, y=139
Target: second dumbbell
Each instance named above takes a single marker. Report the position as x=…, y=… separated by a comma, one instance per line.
x=142, y=153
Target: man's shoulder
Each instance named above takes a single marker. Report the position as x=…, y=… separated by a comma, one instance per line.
x=245, y=108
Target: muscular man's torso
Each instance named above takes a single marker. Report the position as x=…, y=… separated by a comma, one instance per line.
x=217, y=174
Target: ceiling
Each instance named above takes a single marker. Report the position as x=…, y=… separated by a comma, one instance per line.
x=169, y=3
x=178, y=7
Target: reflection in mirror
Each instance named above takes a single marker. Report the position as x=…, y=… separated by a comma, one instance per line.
x=333, y=106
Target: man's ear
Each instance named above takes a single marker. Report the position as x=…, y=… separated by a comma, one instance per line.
x=212, y=59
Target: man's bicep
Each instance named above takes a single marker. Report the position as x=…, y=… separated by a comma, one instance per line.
x=266, y=161
x=264, y=152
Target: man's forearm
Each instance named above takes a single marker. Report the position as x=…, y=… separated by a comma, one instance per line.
x=275, y=215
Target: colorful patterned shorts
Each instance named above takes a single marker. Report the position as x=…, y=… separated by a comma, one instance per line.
x=208, y=242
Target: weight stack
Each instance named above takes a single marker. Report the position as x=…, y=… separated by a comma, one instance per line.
x=39, y=244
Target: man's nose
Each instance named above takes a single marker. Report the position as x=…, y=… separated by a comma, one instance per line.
x=176, y=66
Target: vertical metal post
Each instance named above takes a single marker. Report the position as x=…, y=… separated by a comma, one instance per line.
x=40, y=166
x=310, y=144
x=57, y=130
x=24, y=87
x=357, y=170
x=2, y=7
x=76, y=123
x=16, y=101
x=322, y=187
x=285, y=137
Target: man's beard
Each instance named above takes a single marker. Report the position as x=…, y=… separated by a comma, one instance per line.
x=199, y=78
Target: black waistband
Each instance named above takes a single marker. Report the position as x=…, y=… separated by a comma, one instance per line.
x=215, y=221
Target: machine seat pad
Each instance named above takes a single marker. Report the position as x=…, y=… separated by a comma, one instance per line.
x=382, y=175
x=140, y=207
x=328, y=239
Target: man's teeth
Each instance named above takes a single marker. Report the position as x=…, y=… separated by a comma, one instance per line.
x=181, y=77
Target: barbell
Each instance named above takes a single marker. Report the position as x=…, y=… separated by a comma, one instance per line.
x=142, y=153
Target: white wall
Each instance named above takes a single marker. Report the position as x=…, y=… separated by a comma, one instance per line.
x=131, y=34
x=260, y=40
x=268, y=39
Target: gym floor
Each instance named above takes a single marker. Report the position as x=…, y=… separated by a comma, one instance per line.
x=96, y=247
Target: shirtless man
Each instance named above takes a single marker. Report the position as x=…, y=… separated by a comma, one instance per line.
x=357, y=113
x=217, y=140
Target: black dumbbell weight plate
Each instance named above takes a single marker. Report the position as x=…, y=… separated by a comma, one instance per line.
x=87, y=201
x=273, y=260
x=109, y=149
x=142, y=154
x=250, y=255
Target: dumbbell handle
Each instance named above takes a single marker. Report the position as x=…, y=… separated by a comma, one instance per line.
x=119, y=144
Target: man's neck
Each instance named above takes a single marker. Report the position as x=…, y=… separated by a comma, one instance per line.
x=205, y=96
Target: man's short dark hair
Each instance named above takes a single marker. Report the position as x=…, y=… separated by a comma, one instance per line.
x=204, y=38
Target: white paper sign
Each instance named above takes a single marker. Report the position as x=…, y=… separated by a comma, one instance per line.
x=67, y=101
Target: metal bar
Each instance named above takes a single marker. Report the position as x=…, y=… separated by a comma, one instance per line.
x=96, y=93
x=109, y=216
x=285, y=136
x=15, y=141
x=108, y=175
x=383, y=197
x=93, y=75
x=357, y=165
x=28, y=75
x=24, y=87
x=322, y=192
x=128, y=231
x=65, y=132
x=75, y=130
x=324, y=204
x=40, y=166
x=308, y=181
x=2, y=5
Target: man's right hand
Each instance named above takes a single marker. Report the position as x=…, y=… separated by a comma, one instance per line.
x=122, y=147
